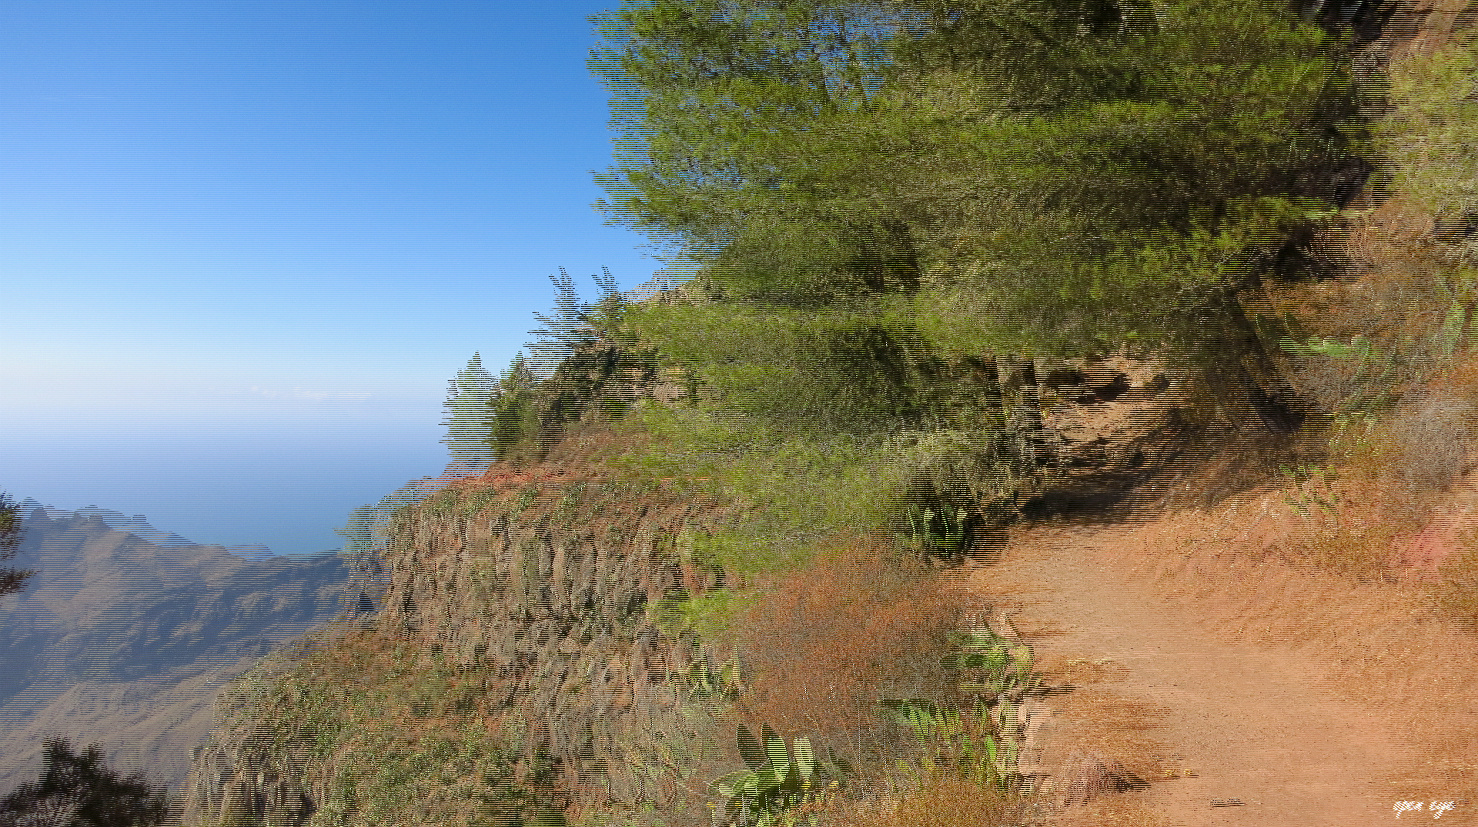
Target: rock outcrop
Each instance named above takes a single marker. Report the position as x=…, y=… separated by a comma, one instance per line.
x=1110, y=423
x=561, y=598
x=552, y=589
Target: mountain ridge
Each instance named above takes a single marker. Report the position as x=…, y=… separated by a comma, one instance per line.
x=125, y=641
x=138, y=525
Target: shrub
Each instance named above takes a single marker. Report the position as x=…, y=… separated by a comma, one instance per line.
x=943, y=801
x=1428, y=132
x=1431, y=442
x=12, y=580
x=79, y=790
x=829, y=640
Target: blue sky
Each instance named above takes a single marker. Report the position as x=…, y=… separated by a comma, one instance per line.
x=243, y=246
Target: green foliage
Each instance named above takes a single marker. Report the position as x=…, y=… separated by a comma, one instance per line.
x=1311, y=489
x=1366, y=374
x=574, y=324
x=794, y=490
x=964, y=744
x=1065, y=175
x=1361, y=374
x=1359, y=348
x=708, y=685
x=958, y=484
x=1428, y=131
x=780, y=779
x=385, y=781
x=942, y=534
x=800, y=371
x=12, y=579
x=989, y=665
x=79, y=790
x=873, y=196
x=513, y=415
x=391, y=740
x=518, y=413
x=469, y=395
x=801, y=488
x=710, y=615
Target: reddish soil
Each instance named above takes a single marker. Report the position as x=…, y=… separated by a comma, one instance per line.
x=1218, y=673
x=1443, y=536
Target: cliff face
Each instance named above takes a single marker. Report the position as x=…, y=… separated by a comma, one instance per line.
x=125, y=642
x=558, y=595
x=540, y=597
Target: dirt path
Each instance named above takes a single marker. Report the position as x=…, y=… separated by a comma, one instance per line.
x=1164, y=692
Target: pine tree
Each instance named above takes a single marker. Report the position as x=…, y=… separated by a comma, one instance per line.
x=514, y=414
x=79, y=790
x=12, y=579
x=471, y=396
x=1035, y=175
x=573, y=324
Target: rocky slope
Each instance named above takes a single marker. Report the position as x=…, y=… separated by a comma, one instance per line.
x=124, y=642
x=549, y=591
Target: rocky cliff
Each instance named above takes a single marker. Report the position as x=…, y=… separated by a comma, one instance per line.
x=540, y=595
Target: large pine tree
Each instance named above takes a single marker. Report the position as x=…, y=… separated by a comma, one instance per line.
x=915, y=177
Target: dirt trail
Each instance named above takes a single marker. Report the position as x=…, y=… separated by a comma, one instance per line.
x=1167, y=691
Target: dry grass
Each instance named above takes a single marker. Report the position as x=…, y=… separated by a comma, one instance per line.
x=828, y=641
x=1356, y=541
x=1356, y=492
x=1113, y=811
x=938, y=802
x=1431, y=441
x=1399, y=290
x=1114, y=729
x=1457, y=592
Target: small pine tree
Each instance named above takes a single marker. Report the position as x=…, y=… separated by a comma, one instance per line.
x=574, y=324
x=79, y=790
x=514, y=413
x=12, y=579
x=470, y=399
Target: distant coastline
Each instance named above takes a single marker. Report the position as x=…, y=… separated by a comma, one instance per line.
x=138, y=525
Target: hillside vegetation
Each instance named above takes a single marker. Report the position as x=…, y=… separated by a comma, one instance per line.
x=938, y=270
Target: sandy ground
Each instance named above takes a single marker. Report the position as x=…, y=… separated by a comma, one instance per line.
x=1187, y=676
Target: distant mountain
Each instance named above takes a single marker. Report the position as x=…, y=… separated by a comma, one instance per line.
x=124, y=641
x=138, y=526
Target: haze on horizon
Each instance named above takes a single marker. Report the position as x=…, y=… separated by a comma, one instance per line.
x=244, y=246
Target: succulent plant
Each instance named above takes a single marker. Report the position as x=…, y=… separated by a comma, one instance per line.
x=996, y=664
x=704, y=683
x=967, y=744
x=779, y=777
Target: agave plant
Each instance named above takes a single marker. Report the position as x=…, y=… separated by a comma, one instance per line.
x=941, y=533
x=970, y=743
x=996, y=664
x=704, y=683
x=965, y=744
x=779, y=779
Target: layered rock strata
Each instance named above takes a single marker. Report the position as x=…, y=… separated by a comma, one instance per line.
x=554, y=590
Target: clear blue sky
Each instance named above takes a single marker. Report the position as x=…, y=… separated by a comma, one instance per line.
x=244, y=245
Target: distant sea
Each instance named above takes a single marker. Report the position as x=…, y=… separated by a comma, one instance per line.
x=280, y=487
